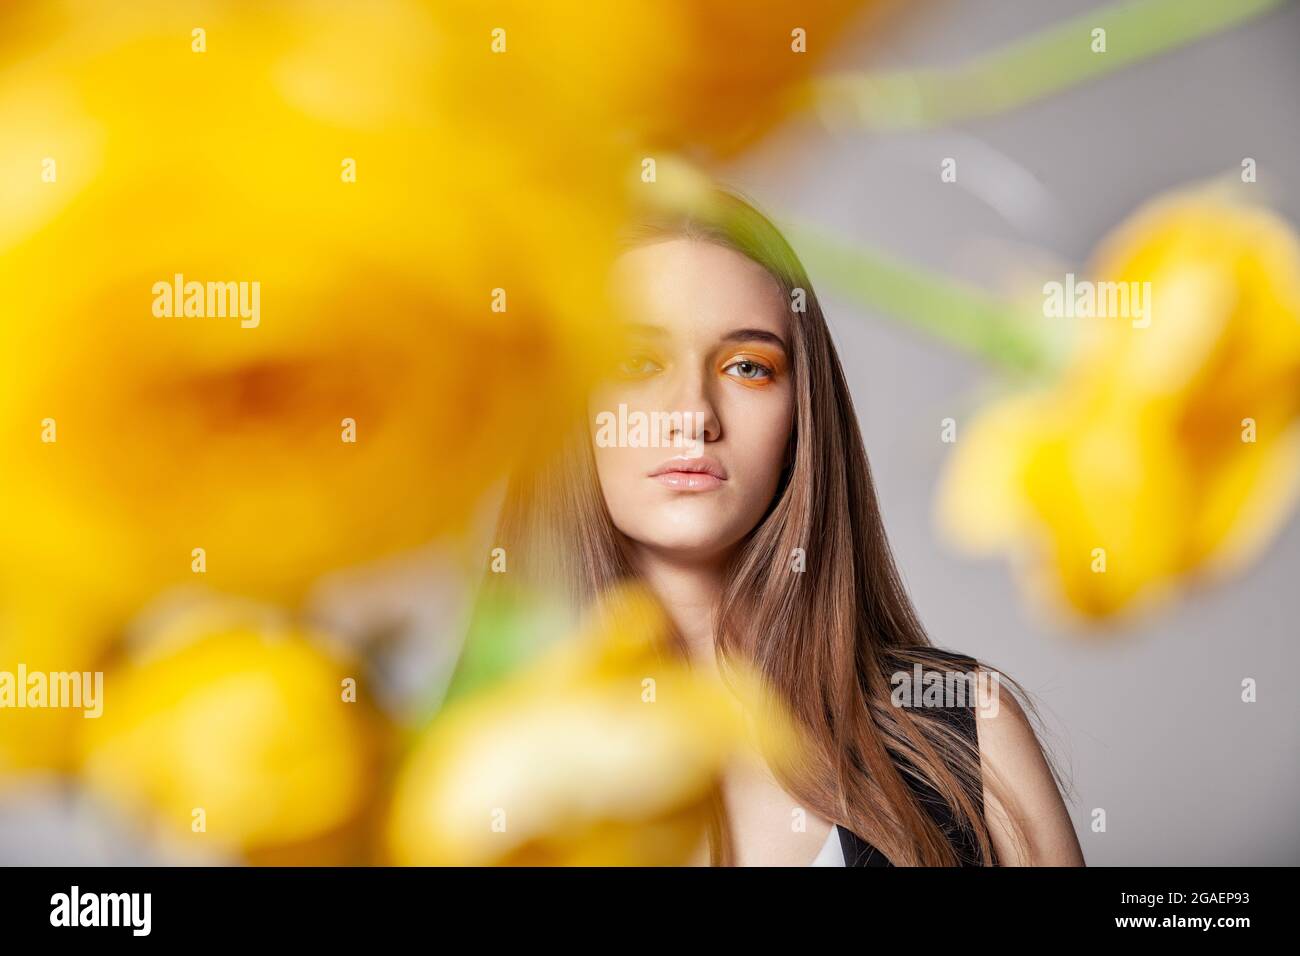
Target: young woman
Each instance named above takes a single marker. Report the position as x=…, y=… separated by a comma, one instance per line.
x=761, y=536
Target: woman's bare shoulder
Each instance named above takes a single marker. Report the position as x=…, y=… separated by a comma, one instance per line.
x=1027, y=818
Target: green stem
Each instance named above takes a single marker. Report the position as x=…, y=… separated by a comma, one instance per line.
x=1034, y=67
x=958, y=314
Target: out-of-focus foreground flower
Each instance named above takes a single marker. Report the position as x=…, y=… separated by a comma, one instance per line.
x=603, y=752
x=238, y=739
x=376, y=394
x=706, y=79
x=1164, y=451
x=131, y=439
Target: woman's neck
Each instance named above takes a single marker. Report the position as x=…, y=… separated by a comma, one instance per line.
x=689, y=592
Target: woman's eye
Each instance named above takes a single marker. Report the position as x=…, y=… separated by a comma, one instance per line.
x=748, y=371
x=638, y=365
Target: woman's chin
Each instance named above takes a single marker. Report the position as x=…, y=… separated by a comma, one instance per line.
x=690, y=545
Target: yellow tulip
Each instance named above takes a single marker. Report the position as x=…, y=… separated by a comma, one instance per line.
x=603, y=752
x=41, y=638
x=132, y=439
x=1169, y=450
x=657, y=75
x=235, y=738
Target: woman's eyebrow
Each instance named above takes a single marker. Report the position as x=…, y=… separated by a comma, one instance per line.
x=755, y=335
x=644, y=328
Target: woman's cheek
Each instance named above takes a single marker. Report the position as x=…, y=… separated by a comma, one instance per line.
x=763, y=423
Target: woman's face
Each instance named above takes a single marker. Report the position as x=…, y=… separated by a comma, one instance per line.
x=690, y=431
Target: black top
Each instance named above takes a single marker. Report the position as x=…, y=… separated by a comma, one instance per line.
x=858, y=852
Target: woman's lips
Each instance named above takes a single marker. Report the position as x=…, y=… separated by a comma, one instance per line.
x=690, y=474
x=688, y=480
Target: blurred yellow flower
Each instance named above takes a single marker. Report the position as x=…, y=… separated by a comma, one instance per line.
x=241, y=729
x=1167, y=449
x=41, y=637
x=604, y=752
x=427, y=297
x=706, y=79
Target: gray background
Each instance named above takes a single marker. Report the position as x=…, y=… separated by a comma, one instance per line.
x=1148, y=723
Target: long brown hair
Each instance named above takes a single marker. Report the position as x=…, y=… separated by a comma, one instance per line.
x=827, y=639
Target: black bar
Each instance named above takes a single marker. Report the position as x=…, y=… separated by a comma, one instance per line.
x=440, y=907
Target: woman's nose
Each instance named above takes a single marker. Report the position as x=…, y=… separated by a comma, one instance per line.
x=693, y=412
